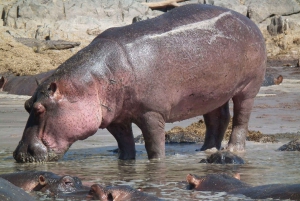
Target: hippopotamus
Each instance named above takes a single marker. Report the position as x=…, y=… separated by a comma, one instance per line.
x=43, y=181
x=223, y=157
x=271, y=80
x=118, y=193
x=22, y=85
x=10, y=192
x=214, y=182
x=232, y=185
x=187, y=62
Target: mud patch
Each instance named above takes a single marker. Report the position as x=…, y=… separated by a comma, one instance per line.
x=195, y=133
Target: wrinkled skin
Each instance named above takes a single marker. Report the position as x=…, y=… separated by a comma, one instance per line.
x=187, y=62
x=222, y=182
x=10, y=192
x=118, y=193
x=23, y=85
x=44, y=181
x=223, y=157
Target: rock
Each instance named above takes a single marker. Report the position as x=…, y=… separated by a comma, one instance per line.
x=182, y=137
x=232, y=4
x=223, y=157
x=139, y=18
x=173, y=138
x=298, y=63
x=260, y=10
x=293, y=145
x=42, y=45
x=195, y=133
x=277, y=26
x=70, y=20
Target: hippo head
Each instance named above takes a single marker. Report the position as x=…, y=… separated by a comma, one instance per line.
x=216, y=182
x=65, y=184
x=60, y=113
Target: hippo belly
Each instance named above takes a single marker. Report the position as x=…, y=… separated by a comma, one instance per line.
x=187, y=62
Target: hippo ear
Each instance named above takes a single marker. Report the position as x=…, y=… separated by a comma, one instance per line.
x=237, y=176
x=97, y=192
x=42, y=180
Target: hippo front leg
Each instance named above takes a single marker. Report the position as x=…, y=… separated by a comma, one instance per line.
x=241, y=110
x=124, y=136
x=152, y=125
x=216, y=123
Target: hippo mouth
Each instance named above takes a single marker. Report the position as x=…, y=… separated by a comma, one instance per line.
x=37, y=153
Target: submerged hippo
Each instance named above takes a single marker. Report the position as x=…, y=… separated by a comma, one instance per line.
x=44, y=181
x=118, y=193
x=22, y=85
x=10, y=192
x=232, y=185
x=223, y=157
x=214, y=182
x=271, y=80
x=187, y=62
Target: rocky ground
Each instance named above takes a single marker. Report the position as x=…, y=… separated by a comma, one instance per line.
x=80, y=21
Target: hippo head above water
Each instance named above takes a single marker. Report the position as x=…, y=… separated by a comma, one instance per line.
x=56, y=121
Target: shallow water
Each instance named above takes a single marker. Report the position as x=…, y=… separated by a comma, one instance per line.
x=276, y=110
x=164, y=178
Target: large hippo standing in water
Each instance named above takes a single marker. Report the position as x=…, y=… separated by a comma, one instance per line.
x=187, y=62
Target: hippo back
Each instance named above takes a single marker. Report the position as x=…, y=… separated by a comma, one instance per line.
x=10, y=192
x=192, y=53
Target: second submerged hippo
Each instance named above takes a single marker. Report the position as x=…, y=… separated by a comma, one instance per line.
x=187, y=62
x=118, y=193
x=44, y=181
x=223, y=157
x=232, y=185
x=22, y=85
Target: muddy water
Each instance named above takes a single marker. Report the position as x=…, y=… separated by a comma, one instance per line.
x=276, y=110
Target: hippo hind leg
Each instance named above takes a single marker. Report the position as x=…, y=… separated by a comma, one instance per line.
x=216, y=123
x=152, y=125
x=241, y=109
x=124, y=136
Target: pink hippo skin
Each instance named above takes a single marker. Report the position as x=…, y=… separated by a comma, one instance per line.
x=187, y=62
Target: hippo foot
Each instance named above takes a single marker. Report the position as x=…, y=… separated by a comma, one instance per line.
x=208, y=147
x=43, y=157
x=235, y=148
